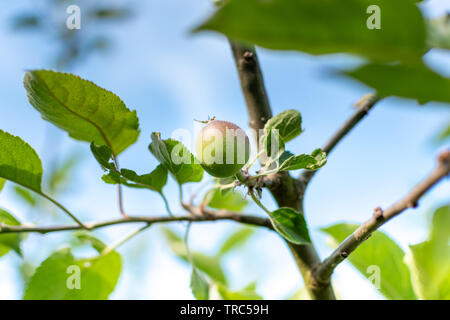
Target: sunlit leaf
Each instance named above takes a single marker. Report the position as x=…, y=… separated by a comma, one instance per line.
x=288, y=123
x=236, y=240
x=199, y=286
x=177, y=159
x=378, y=253
x=430, y=260
x=10, y=241
x=19, y=162
x=86, y=111
x=243, y=294
x=233, y=200
x=57, y=277
x=291, y=225
x=316, y=160
x=326, y=26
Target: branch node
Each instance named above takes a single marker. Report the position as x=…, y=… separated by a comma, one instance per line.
x=378, y=214
x=444, y=158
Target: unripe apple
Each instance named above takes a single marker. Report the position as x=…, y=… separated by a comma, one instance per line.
x=222, y=148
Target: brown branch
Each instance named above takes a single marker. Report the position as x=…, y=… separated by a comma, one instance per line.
x=285, y=189
x=324, y=270
x=364, y=106
x=252, y=84
x=195, y=216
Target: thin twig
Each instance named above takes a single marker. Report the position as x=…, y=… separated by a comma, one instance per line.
x=324, y=270
x=59, y=205
x=207, y=216
x=124, y=239
x=364, y=106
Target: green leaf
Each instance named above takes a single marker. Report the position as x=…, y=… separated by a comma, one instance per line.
x=316, y=160
x=19, y=162
x=443, y=135
x=236, y=240
x=55, y=278
x=244, y=294
x=288, y=123
x=291, y=225
x=155, y=180
x=233, y=200
x=199, y=286
x=25, y=195
x=87, y=237
x=177, y=159
x=11, y=240
x=61, y=174
x=380, y=251
x=209, y=265
x=412, y=82
x=327, y=26
x=81, y=108
x=430, y=260
x=103, y=154
x=439, y=32
x=301, y=294
x=2, y=184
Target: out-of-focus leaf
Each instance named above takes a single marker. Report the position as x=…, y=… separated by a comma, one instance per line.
x=233, y=200
x=110, y=13
x=87, y=237
x=316, y=160
x=209, y=265
x=301, y=294
x=177, y=159
x=430, y=260
x=382, y=252
x=326, y=26
x=26, y=21
x=2, y=183
x=25, y=195
x=60, y=174
x=199, y=286
x=439, y=32
x=58, y=277
x=10, y=241
x=443, y=135
x=19, y=162
x=83, y=109
x=236, y=240
x=406, y=81
x=291, y=225
x=244, y=294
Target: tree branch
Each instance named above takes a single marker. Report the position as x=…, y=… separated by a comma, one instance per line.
x=364, y=106
x=252, y=83
x=205, y=215
x=285, y=189
x=324, y=270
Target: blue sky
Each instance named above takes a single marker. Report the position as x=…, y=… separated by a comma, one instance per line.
x=172, y=77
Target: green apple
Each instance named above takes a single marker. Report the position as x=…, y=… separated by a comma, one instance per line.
x=222, y=148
